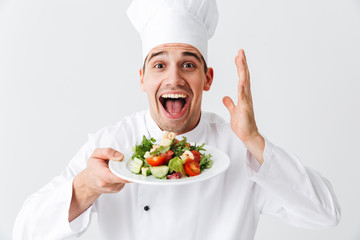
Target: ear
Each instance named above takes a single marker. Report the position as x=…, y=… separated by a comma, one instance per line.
x=209, y=79
x=142, y=80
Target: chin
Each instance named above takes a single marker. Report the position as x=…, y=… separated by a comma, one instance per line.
x=178, y=126
x=174, y=126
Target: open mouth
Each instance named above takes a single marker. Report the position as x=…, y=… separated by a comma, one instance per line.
x=174, y=103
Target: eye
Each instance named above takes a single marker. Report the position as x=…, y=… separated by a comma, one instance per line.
x=188, y=65
x=159, y=65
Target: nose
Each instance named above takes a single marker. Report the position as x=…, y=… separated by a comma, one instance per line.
x=174, y=76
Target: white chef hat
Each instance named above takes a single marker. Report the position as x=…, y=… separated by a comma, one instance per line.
x=158, y=22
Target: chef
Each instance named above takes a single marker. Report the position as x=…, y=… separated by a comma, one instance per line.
x=262, y=179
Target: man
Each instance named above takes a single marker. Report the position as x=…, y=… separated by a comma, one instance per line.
x=262, y=179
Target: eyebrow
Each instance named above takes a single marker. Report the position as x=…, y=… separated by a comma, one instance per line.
x=192, y=54
x=165, y=53
x=156, y=54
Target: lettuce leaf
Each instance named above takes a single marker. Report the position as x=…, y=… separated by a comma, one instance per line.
x=176, y=165
x=140, y=149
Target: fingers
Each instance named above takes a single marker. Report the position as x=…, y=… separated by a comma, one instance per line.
x=107, y=154
x=241, y=65
x=248, y=88
x=101, y=170
x=112, y=179
x=244, y=91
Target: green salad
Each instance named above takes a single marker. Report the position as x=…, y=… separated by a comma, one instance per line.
x=170, y=159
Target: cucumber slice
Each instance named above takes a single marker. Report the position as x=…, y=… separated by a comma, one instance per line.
x=145, y=171
x=136, y=165
x=159, y=171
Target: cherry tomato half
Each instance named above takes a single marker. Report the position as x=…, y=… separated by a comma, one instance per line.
x=168, y=155
x=156, y=160
x=192, y=168
x=197, y=156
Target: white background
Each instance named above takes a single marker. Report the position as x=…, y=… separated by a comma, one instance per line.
x=71, y=67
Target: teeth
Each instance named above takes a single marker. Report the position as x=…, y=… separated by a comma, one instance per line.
x=173, y=95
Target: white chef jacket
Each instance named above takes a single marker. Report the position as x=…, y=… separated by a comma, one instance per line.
x=226, y=207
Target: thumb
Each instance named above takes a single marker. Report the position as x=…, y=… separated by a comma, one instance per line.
x=107, y=154
x=229, y=104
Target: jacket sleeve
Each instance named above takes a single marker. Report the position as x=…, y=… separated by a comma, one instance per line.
x=295, y=193
x=44, y=215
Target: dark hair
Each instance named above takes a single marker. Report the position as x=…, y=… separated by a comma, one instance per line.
x=202, y=58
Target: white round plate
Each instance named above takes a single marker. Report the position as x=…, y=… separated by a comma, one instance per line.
x=221, y=163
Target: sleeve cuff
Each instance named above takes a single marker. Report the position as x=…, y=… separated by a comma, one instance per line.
x=80, y=223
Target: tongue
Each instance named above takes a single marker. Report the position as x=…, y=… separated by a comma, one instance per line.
x=174, y=106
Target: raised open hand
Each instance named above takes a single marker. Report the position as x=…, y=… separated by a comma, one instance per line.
x=242, y=118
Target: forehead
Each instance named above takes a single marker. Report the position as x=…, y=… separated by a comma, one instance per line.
x=174, y=49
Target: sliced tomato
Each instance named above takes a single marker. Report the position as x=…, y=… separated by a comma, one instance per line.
x=192, y=168
x=168, y=155
x=197, y=156
x=156, y=161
